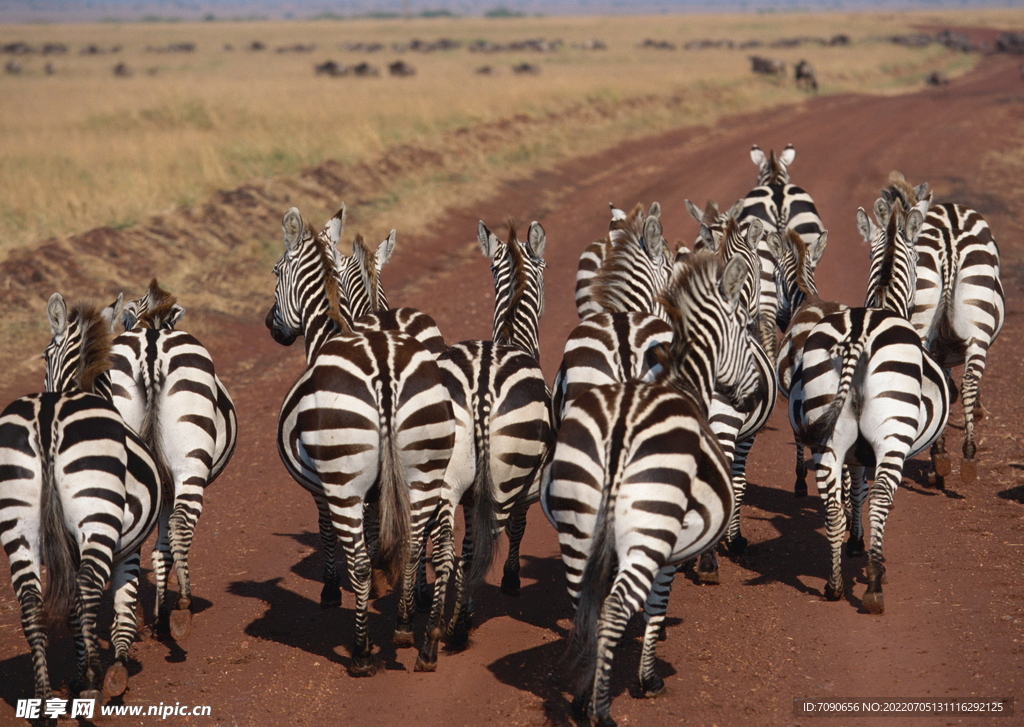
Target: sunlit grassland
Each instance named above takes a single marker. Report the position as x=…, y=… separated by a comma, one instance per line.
x=82, y=148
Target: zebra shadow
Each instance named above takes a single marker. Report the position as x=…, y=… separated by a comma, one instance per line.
x=546, y=672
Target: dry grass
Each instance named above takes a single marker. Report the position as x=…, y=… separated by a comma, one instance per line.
x=81, y=148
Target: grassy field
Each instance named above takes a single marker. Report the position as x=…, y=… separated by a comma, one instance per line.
x=81, y=147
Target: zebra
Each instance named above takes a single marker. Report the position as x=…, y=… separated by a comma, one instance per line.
x=503, y=423
x=623, y=230
x=959, y=306
x=369, y=418
x=639, y=483
x=780, y=205
x=866, y=393
x=799, y=310
x=165, y=387
x=79, y=492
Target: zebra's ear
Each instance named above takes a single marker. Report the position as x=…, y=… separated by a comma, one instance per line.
x=176, y=313
x=757, y=156
x=57, y=312
x=732, y=279
x=774, y=243
x=788, y=155
x=817, y=248
x=292, y=226
x=735, y=210
x=754, y=232
x=922, y=193
x=129, y=316
x=537, y=239
x=617, y=214
x=653, y=238
x=385, y=250
x=655, y=210
x=111, y=312
x=864, y=225
x=694, y=211
x=882, y=211
x=332, y=230
x=488, y=242
x=912, y=227
x=707, y=238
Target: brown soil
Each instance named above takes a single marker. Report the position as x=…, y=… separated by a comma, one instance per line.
x=263, y=652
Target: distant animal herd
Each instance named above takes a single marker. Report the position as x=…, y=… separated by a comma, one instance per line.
x=637, y=453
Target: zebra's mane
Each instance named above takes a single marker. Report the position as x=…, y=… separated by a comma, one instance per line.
x=888, y=260
x=160, y=307
x=774, y=173
x=95, y=345
x=804, y=280
x=518, y=284
x=368, y=270
x=626, y=237
x=694, y=280
x=327, y=255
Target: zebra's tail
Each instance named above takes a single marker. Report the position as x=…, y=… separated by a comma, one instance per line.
x=820, y=431
x=395, y=516
x=150, y=434
x=484, y=520
x=60, y=555
x=947, y=343
x=595, y=585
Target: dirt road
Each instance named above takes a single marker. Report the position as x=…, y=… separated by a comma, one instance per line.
x=263, y=652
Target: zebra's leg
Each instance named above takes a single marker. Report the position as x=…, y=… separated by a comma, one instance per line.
x=461, y=621
x=800, y=485
x=651, y=685
x=888, y=473
x=443, y=559
x=974, y=367
x=830, y=487
x=161, y=561
x=618, y=608
x=188, y=506
x=357, y=556
x=707, y=568
x=403, y=636
x=733, y=539
x=515, y=528
x=30, y=598
x=854, y=484
x=125, y=586
x=330, y=594
x=940, y=458
x=93, y=576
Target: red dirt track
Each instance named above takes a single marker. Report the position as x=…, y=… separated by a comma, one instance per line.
x=263, y=652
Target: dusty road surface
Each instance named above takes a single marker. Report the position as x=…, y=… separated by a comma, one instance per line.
x=262, y=652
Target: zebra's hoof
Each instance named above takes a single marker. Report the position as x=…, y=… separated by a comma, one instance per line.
x=652, y=686
x=937, y=481
x=708, y=577
x=800, y=489
x=510, y=586
x=424, y=665
x=707, y=569
x=833, y=593
x=330, y=597
x=943, y=465
x=180, y=623
x=91, y=694
x=874, y=602
x=854, y=547
x=968, y=471
x=403, y=637
x=737, y=545
x=115, y=682
x=365, y=665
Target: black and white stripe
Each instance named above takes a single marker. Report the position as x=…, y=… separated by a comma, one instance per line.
x=79, y=492
x=164, y=384
x=959, y=306
x=369, y=419
x=639, y=483
x=866, y=393
x=502, y=413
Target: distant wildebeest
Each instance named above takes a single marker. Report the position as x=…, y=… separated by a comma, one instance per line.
x=937, y=78
x=401, y=68
x=13, y=67
x=330, y=68
x=365, y=69
x=805, y=77
x=768, y=66
x=121, y=70
x=484, y=70
x=525, y=68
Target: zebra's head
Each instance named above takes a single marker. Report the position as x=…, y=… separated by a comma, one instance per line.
x=712, y=218
x=307, y=296
x=738, y=240
x=899, y=189
x=360, y=276
x=518, y=271
x=78, y=356
x=711, y=349
x=772, y=169
x=892, y=276
x=638, y=264
x=157, y=309
x=794, y=271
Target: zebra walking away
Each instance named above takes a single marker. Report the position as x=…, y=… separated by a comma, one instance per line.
x=369, y=419
x=866, y=393
x=959, y=306
x=79, y=492
x=164, y=385
x=639, y=483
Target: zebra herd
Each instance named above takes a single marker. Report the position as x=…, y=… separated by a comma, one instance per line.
x=637, y=454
